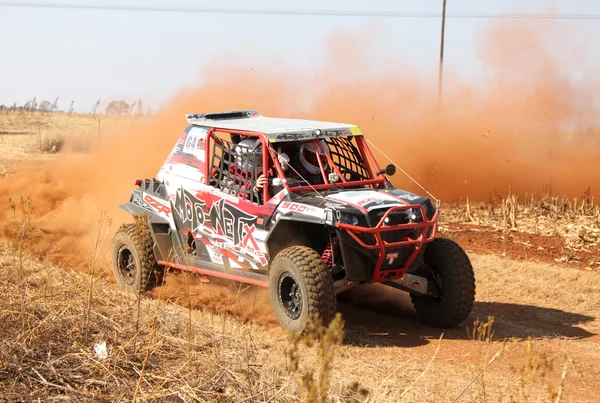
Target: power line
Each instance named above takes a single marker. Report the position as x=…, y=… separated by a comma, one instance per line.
x=332, y=13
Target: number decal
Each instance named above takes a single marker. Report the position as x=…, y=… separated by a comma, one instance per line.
x=293, y=206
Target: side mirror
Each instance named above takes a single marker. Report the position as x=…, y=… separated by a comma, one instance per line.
x=390, y=170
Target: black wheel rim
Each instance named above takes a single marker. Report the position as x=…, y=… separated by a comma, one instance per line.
x=126, y=264
x=290, y=295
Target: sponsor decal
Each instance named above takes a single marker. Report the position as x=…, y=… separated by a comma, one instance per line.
x=214, y=253
x=301, y=208
x=156, y=205
x=391, y=257
x=190, y=210
x=138, y=200
x=309, y=133
x=409, y=196
x=294, y=206
x=366, y=201
x=222, y=224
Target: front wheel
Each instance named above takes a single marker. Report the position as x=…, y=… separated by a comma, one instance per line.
x=132, y=259
x=451, y=269
x=301, y=288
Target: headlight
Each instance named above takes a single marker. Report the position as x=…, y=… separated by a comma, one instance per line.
x=415, y=215
x=351, y=219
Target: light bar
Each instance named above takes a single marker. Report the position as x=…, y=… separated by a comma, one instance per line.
x=243, y=114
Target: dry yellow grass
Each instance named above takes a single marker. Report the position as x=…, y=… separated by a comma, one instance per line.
x=577, y=220
x=33, y=135
x=22, y=133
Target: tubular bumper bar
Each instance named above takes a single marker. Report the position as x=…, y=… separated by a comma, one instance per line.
x=382, y=246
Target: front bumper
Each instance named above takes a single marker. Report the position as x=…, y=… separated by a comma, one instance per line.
x=390, y=250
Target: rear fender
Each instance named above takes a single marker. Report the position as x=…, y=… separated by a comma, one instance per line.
x=135, y=209
x=166, y=242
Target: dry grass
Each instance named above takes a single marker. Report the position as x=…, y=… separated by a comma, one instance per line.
x=576, y=220
x=540, y=285
x=30, y=132
x=27, y=133
x=51, y=357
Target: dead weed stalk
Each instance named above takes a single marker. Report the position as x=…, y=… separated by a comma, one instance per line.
x=104, y=223
x=19, y=233
x=314, y=385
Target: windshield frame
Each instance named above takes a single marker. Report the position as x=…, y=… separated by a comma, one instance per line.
x=376, y=177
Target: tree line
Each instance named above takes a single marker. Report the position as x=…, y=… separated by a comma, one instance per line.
x=115, y=107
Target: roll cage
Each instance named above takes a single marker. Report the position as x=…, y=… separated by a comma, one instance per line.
x=352, y=162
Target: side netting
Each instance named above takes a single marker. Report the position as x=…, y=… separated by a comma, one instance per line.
x=235, y=169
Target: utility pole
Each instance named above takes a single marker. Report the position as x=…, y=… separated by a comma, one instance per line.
x=441, y=70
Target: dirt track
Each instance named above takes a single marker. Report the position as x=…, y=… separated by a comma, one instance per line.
x=556, y=306
x=520, y=246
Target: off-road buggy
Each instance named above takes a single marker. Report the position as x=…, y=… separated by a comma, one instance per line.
x=306, y=239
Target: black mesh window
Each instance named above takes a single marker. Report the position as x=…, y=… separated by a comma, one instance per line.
x=348, y=159
x=235, y=172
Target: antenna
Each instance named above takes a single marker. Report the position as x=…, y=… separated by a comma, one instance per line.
x=437, y=201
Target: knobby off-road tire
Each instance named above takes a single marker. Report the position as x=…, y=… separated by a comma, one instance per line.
x=132, y=259
x=452, y=265
x=300, y=271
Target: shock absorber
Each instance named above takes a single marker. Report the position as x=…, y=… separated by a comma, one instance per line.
x=330, y=252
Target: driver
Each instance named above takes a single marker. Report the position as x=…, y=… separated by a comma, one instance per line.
x=309, y=164
x=247, y=165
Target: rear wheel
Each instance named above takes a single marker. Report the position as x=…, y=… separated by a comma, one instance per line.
x=452, y=271
x=301, y=288
x=132, y=259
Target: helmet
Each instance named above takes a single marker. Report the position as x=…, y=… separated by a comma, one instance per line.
x=308, y=157
x=248, y=153
x=248, y=145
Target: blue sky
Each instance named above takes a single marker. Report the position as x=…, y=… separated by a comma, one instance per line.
x=83, y=55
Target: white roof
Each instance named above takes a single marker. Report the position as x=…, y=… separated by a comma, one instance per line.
x=277, y=129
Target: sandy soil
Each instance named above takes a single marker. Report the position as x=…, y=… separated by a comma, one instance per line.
x=521, y=246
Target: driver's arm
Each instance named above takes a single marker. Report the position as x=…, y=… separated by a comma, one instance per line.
x=260, y=183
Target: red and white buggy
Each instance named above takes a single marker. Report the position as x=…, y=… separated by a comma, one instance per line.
x=306, y=234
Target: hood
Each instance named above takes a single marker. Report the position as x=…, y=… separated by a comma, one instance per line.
x=361, y=199
x=363, y=202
